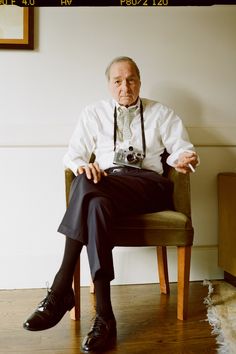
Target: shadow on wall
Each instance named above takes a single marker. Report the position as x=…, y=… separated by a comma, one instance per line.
x=185, y=104
x=195, y=116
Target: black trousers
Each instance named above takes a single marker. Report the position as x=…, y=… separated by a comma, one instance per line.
x=93, y=209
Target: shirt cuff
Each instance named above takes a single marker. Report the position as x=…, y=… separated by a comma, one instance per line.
x=173, y=158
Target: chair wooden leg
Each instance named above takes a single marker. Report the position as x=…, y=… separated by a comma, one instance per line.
x=163, y=269
x=75, y=312
x=184, y=257
x=91, y=288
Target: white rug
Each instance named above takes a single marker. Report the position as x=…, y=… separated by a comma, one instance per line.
x=221, y=314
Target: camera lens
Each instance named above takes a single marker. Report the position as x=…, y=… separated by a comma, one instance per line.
x=130, y=157
x=131, y=148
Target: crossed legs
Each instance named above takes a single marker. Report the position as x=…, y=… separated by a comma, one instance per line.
x=88, y=221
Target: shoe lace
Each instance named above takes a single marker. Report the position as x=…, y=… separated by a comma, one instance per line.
x=98, y=325
x=48, y=300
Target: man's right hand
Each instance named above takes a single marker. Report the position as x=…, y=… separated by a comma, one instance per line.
x=92, y=171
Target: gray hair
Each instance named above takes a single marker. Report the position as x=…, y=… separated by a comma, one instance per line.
x=121, y=59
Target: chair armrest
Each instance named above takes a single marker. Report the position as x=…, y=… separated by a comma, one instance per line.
x=181, y=195
x=69, y=176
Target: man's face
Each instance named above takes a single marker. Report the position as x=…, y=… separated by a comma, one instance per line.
x=124, y=83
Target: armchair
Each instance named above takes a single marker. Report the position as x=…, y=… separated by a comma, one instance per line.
x=160, y=229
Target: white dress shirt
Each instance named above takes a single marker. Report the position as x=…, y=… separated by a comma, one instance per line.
x=94, y=133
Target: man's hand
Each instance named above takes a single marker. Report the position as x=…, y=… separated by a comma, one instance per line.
x=92, y=171
x=184, y=160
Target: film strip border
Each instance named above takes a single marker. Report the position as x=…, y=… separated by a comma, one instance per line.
x=130, y=3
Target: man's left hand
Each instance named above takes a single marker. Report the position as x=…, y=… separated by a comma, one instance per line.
x=185, y=159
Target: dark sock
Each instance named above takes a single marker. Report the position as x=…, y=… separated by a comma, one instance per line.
x=64, y=277
x=103, y=296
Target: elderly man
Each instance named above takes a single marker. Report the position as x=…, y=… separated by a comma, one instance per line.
x=127, y=134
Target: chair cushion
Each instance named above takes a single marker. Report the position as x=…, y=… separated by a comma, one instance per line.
x=167, y=228
x=167, y=219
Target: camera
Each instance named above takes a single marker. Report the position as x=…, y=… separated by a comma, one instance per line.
x=128, y=157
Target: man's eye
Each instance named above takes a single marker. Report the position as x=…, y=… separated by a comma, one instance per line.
x=117, y=82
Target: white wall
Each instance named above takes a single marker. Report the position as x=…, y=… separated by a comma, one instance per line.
x=187, y=58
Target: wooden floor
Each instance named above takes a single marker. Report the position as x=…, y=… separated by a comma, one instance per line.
x=146, y=323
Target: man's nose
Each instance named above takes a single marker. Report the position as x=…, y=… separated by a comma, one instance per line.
x=125, y=85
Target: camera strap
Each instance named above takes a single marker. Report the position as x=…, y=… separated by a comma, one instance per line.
x=142, y=128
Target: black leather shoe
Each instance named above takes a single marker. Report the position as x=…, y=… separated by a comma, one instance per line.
x=50, y=311
x=101, y=335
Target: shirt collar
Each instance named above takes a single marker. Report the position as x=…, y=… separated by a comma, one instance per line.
x=137, y=104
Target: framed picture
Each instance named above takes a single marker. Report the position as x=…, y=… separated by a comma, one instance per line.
x=16, y=27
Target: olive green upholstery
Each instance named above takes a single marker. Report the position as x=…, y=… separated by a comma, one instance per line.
x=160, y=229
